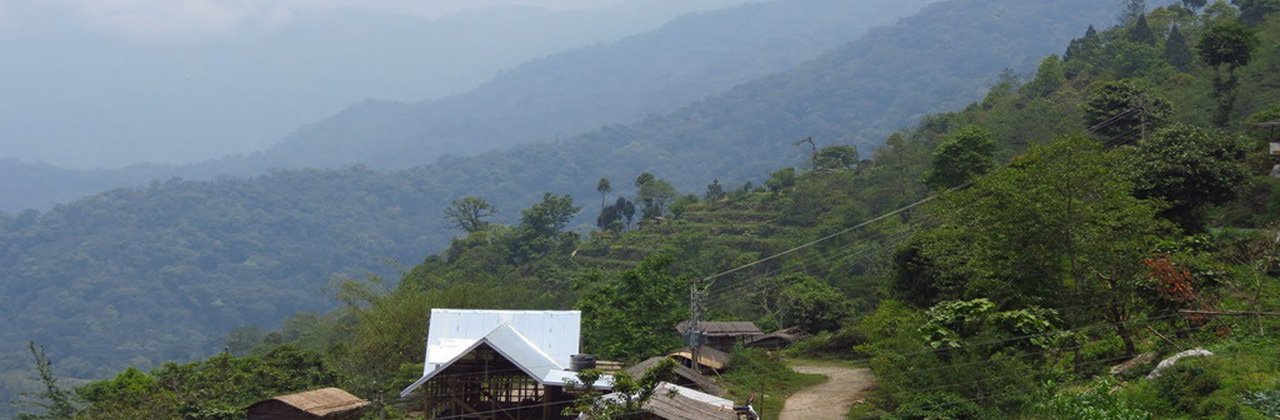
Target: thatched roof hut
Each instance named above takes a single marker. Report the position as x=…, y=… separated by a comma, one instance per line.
x=327, y=403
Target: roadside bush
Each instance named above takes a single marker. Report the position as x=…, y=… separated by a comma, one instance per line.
x=1095, y=402
x=937, y=405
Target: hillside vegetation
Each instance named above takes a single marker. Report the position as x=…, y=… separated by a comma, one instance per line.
x=1077, y=212
x=532, y=263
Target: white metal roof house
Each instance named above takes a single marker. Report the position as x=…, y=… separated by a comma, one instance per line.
x=480, y=363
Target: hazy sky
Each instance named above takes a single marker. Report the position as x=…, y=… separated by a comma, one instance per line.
x=105, y=83
x=199, y=19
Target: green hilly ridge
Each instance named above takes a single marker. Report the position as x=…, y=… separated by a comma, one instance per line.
x=173, y=266
x=937, y=267
x=551, y=97
x=1092, y=203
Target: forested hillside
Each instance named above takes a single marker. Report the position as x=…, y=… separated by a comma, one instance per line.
x=215, y=254
x=559, y=95
x=567, y=93
x=1114, y=207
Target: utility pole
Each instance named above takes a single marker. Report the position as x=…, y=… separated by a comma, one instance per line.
x=693, y=334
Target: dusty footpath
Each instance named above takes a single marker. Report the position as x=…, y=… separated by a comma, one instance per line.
x=831, y=399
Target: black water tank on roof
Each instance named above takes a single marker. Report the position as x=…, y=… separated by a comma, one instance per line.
x=581, y=362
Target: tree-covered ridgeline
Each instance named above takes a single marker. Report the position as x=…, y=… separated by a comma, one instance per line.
x=1072, y=249
x=159, y=272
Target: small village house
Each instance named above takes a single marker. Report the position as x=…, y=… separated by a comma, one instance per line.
x=327, y=403
x=724, y=335
x=492, y=364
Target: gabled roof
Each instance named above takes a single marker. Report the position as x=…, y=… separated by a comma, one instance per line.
x=320, y=402
x=554, y=333
x=540, y=343
x=723, y=328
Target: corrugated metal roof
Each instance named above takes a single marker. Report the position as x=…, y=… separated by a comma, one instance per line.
x=540, y=342
x=554, y=333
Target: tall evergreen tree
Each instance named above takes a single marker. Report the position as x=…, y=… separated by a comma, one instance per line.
x=1141, y=32
x=1085, y=46
x=1176, y=51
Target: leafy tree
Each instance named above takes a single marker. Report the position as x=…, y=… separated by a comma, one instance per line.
x=611, y=218
x=629, y=394
x=1058, y=226
x=781, y=179
x=603, y=188
x=682, y=203
x=812, y=305
x=960, y=158
x=654, y=194
x=1253, y=12
x=217, y=388
x=644, y=178
x=548, y=217
x=1083, y=52
x=1141, y=32
x=1049, y=78
x=1084, y=47
x=1194, y=4
x=1176, y=51
x=715, y=191
x=1226, y=46
x=1187, y=168
x=1007, y=83
x=469, y=213
x=626, y=208
x=55, y=402
x=610, y=303
x=951, y=324
x=837, y=157
x=1121, y=110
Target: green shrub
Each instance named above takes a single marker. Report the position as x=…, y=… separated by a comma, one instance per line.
x=1187, y=384
x=1095, y=402
x=936, y=406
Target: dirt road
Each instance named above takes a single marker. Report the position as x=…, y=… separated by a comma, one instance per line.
x=831, y=399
